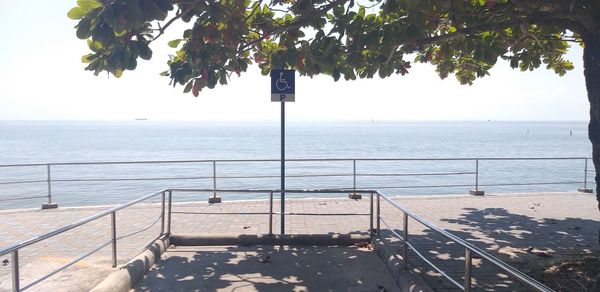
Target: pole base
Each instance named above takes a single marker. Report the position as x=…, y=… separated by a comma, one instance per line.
x=476, y=193
x=355, y=196
x=214, y=200
x=585, y=190
x=52, y=205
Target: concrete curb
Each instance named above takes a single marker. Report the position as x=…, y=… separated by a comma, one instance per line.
x=127, y=276
x=406, y=280
x=274, y=239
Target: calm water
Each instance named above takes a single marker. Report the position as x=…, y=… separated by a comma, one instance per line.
x=41, y=142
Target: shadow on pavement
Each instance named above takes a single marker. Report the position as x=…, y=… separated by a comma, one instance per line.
x=524, y=242
x=266, y=268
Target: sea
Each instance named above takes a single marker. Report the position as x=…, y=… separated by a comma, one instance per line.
x=397, y=157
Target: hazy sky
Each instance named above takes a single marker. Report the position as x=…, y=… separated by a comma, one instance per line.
x=42, y=78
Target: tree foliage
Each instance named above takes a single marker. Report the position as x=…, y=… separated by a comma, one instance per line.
x=343, y=38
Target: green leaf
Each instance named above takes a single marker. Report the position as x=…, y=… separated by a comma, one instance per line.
x=88, y=58
x=118, y=73
x=83, y=28
x=88, y=5
x=174, y=43
x=144, y=51
x=151, y=12
x=76, y=13
x=188, y=87
x=134, y=13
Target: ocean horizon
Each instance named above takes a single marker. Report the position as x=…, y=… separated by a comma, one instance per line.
x=25, y=142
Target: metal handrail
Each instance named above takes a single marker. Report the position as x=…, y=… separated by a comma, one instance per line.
x=75, y=224
x=354, y=174
x=165, y=226
x=291, y=159
x=469, y=248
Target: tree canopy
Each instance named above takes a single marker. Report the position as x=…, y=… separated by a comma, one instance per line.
x=336, y=37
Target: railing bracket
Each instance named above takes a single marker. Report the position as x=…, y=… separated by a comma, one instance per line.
x=355, y=196
x=476, y=193
x=52, y=205
x=214, y=199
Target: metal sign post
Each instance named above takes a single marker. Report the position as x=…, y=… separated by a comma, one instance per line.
x=283, y=90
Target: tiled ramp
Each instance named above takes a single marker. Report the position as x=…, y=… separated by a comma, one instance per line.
x=268, y=268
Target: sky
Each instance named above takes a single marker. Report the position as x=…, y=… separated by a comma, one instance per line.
x=42, y=78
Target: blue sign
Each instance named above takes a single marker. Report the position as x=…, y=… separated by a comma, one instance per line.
x=283, y=85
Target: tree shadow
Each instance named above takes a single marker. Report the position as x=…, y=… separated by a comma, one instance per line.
x=524, y=242
x=268, y=268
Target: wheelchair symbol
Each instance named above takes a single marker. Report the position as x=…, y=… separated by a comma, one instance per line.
x=281, y=84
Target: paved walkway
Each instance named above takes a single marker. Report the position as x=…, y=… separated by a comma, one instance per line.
x=504, y=224
x=268, y=268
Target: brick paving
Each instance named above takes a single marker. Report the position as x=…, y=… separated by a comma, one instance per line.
x=503, y=224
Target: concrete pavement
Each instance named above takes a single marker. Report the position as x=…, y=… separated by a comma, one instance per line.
x=506, y=225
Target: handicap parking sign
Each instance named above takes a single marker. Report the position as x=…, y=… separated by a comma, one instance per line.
x=283, y=85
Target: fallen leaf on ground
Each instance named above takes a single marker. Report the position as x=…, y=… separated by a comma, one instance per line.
x=362, y=244
x=264, y=259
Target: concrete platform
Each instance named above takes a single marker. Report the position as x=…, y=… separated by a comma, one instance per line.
x=505, y=225
x=267, y=268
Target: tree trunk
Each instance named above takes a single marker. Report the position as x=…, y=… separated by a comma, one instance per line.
x=591, y=63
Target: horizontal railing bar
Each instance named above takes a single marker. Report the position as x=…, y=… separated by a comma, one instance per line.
x=22, y=182
x=65, y=266
x=141, y=230
x=130, y=179
x=22, y=198
x=414, y=174
x=493, y=260
x=76, y=224
x=309, y=191
x=531, y=184
x=249, y=177
x=419, y=187
x=419, y=254
x=431, y=264
x=391, y=229
x=290, y=160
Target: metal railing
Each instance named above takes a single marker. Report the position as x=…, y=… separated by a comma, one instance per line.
x=374, y=215
x=215, y=177
x=468, y=247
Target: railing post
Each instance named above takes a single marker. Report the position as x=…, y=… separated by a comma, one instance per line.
x=354, y=195
x=585, y=171
x=50, y=183
x=49, y=204
x=169, y=213
x=468, y=272
x=476, y=192
x=371, y=215
x=271, y=214
x=378, y=213
x=162, y=213
x=15, y=271
x=354, y=175
x=215, y=198
x=585, y=174
x=405, y=245
x=113, y=229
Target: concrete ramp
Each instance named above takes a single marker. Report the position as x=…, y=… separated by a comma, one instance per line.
x=268, y=268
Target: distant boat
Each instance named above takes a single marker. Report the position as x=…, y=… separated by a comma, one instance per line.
x=141, y=119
